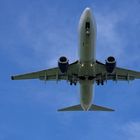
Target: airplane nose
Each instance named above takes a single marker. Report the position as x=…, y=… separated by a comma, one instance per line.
x=87, y=12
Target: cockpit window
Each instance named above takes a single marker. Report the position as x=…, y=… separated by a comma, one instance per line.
x=87, y=26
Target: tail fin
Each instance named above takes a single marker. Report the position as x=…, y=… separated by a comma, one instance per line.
x=92, y=108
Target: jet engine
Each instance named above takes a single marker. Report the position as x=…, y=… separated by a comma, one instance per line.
x=63, y=64
x=110, y=64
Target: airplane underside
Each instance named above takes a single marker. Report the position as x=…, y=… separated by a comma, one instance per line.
x=87, y=71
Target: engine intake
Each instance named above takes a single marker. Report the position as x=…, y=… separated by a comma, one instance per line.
x=63, y=64
x=110, y=64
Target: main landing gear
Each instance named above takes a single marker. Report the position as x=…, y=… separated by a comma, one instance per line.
x=71, y=83
x=100, y=82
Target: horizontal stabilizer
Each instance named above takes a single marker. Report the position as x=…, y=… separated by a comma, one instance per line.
x=92, y=108
x=72, y=108
x=99, y=108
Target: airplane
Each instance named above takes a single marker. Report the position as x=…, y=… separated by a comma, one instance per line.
x=87, y=71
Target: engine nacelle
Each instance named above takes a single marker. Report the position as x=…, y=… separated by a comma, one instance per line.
x=63, y=64
x=110, y=64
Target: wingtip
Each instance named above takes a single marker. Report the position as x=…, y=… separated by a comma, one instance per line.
x=60, y=110
x=12, y=77
x=111, y=110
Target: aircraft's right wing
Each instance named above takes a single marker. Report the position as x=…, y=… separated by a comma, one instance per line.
x=118, y=74
x=50, y=74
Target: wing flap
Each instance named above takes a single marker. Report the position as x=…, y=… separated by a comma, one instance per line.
x=118, y=74
x=49, y=74
x=33, y=75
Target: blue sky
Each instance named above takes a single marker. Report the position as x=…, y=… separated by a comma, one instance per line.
x=33, y=35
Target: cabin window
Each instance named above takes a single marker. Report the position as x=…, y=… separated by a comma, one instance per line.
x=87, y=26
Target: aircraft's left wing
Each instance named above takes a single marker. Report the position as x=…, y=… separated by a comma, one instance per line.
x=50, y=74
x=118, y=74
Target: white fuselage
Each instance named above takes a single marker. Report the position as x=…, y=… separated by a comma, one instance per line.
x=87, y=58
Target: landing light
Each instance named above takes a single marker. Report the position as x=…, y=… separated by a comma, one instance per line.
x=82, y=65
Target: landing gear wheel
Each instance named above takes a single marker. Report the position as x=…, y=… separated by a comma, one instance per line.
x=102, y=82
x=98, y=82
